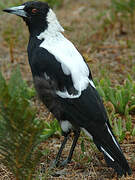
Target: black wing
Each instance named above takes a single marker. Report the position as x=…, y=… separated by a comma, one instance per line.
x=44, y=63
x=89, y=105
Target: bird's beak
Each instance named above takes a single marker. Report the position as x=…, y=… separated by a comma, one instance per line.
x=19, y=11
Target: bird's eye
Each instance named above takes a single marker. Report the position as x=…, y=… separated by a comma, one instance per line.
x=34, y=11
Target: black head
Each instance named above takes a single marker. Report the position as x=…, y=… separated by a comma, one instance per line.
x=34, y=13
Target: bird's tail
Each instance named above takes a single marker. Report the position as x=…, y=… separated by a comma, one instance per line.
x=113, y=154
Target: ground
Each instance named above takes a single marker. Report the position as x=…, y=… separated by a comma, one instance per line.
x=109, y=55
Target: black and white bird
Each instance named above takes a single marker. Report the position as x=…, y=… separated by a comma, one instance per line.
x=64, y=83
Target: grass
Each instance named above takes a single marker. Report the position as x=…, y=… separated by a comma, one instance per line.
x=21, y=132
x=121, y=96
x=19, y=128
x=106, y=39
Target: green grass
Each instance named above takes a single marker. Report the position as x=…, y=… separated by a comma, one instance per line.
x=120, y=104
x=21, y=132
x=120, y=13
x=121, y=96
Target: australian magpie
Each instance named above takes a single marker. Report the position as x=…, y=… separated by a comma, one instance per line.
x=64, y=83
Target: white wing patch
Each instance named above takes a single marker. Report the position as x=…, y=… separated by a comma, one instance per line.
x=70, y=59
x=64, y=51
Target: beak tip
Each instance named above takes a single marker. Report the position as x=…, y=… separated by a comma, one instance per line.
x=16, y=10
x=6, y=10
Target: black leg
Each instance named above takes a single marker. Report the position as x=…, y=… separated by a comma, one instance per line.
x=66, y=161
x=56, y=161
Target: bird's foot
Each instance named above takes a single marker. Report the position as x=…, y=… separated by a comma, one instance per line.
x=54, y=164
x=64, y=163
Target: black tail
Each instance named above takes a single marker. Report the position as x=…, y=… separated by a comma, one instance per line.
x=113, y=154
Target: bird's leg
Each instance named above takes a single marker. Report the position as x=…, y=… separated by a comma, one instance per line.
x=56, y=161
x=68, y=159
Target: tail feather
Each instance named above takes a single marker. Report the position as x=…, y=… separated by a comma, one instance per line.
x=117, y=162
x=112, y=152
x=118, y=169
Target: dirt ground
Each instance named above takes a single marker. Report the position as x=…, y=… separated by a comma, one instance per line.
x=106, y=57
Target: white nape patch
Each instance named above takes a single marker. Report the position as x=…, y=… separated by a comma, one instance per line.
x=113, y=137
x=46, y=76
x=87, y=133
x=65, y=126
x=54, y=27
x=107, y=153
x=53, y=22
x=92, y=83
x=65, y=52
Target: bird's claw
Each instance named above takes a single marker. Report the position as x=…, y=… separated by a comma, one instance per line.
x=64, y=163
x=54, y=164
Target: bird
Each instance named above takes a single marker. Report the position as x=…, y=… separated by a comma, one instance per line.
x=64, y=83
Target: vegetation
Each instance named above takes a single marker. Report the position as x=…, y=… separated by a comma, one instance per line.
x=121, y=10
x=119, y=100
x=121, y=96
x=21, y=132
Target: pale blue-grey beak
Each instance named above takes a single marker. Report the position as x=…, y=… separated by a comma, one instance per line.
x=18, y=10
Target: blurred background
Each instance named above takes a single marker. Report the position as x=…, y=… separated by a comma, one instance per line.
x=104, y=32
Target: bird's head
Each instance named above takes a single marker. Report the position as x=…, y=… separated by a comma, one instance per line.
x=37, y=15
